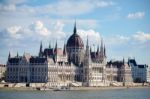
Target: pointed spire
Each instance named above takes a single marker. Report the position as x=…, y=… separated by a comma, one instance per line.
x=97, y=49
x=56, y=47
x=101, y=44
x=55, y=51
x=49, y=45
x=123, y=61
x=88, y=52
x=75, y=29
x=64, y=50
x=90, y=49
x=9, y=56
x=87, y=46
x=17, y=54
x=101, y=49
x=41, y=48
x=104, y=51
x=87, y=42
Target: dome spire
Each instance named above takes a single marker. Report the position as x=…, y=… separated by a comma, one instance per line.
x=75, y=29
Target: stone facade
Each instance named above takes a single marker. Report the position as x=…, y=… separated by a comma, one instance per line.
x=72, y=66
x=2, y=71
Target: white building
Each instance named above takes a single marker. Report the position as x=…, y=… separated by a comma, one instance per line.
x=118, y=71
x=26, y=69
x=72, y=66
x=2, y=71
x=148, y=74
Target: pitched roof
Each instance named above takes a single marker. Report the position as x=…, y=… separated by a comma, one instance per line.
x=14, y=60
x=38, y=59
x=132, y=61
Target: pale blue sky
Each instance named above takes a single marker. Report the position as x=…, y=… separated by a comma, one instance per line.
x=124, y=25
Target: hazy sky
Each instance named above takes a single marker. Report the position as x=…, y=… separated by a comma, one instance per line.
x=123, y=24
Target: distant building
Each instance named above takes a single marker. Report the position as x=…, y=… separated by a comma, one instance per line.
x=148, y=74
x=139, y=71
x=26, y=69
x=2, y=70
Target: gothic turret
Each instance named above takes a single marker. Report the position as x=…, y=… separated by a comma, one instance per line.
x=55, y=51
x=64, y=50
x=49, y=45
x=123, y=61
x=104, y=51
x=9, y=56
x=17, y=54
x=41, y=50
x=87, y=57
x=101, y=51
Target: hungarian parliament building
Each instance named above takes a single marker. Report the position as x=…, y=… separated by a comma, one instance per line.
x=74, y=65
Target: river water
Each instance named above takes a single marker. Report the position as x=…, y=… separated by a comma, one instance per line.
x=135, y=93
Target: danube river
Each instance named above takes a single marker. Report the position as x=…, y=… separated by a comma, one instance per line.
x=131, y=93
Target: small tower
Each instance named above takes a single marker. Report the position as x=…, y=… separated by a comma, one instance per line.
x=97, y=50
x=104, y=52
x=55, y=52
x=41, y=50
x=87, y=66
x=49, y=45
x=17, y=54
x=104, y=56
x=87, y=52
x=9, y=56
x=64, y=50
x=101, y=51
x=123, y=61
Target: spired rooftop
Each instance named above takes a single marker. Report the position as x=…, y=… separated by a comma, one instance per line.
x=75, y=40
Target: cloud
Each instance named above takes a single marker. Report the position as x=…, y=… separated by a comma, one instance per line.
x=14, y=32
x=141, y=36
x=39, y=28
x=57, y=31
x=136, y=15
x=61, y=7
x=104, y=3
x=138, y=38
x=71, y=7
x=117, y=40
x=7, y=8
x=34, y=32
x=94, y=37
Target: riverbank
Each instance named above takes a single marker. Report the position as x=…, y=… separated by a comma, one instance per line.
x=108, y=87
x=74, y=88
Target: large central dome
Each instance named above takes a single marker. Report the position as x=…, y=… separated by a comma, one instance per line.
x=75, y=40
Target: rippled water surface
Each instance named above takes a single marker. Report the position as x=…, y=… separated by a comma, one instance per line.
x=137, y=93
